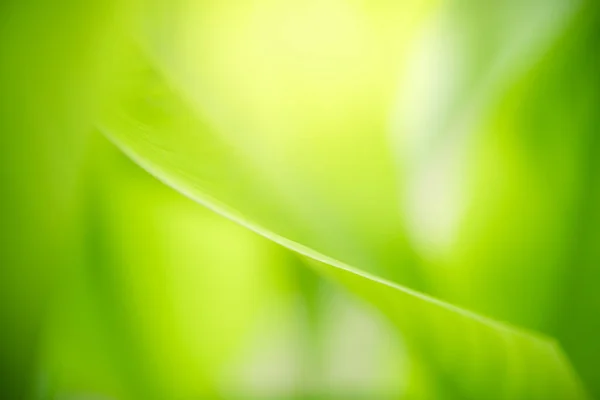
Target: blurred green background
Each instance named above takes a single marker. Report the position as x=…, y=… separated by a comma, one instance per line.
x=317, y=199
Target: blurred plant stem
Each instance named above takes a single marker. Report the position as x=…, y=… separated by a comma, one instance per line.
x=576, y=324
x=311, y=300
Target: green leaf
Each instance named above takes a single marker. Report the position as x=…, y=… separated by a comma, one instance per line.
x=472, y=357
x=281, y=117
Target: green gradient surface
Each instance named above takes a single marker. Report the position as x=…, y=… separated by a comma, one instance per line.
x=318, y=199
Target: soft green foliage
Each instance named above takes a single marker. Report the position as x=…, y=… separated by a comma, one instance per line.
x=471, y=350
x=384, y=199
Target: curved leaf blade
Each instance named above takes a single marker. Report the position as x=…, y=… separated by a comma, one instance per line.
x=473, y=357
